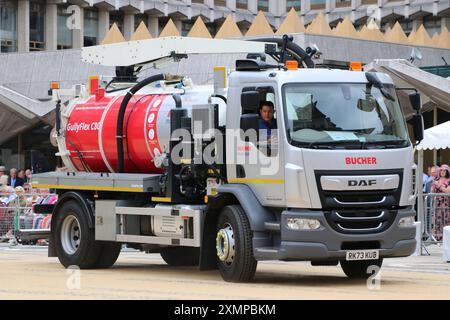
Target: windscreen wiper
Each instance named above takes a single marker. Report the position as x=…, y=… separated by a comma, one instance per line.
x=385, y=143
x=333, y=144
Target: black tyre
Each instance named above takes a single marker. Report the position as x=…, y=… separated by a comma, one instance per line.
x=75, y=243
x=108, y=256
x=360, y=269
x=180, y=256
x=234, y=249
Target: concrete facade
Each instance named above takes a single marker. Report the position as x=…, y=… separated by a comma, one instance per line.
x=433, y=14
x=26, y=77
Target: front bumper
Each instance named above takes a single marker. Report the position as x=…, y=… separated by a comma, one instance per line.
x=327, y=244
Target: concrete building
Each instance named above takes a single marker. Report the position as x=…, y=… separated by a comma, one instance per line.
x=31, y=25
x=46, y=27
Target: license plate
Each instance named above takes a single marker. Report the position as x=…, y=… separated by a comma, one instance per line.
x=362, y=255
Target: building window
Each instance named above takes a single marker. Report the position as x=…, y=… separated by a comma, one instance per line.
x=369, y=1
x=220, y=3
x=296, y=4
x=37, y=24
x=90, y=27
x=64, y=33
x=406, y=25
x=317, y=4
x=116, y=18
x=186, y=26
x=241, y=4
x=197, y=1
x=263, y=5
x=343, y=3
x=138, y=18
x=432, y=24
x=212, y=28
x=8, y=25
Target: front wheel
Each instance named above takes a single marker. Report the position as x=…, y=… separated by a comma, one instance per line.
x=361, y=269
x=234, y=246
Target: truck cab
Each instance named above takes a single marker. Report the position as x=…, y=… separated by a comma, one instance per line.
x=339, y=177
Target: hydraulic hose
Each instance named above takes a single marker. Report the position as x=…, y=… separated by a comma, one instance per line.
x=123, y=107
x=292, y=47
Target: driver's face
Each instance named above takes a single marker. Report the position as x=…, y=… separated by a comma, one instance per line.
x=267, y=113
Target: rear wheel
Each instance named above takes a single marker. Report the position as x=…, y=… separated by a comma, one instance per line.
x=181, y=256
x=108, y=256
x=75, y=243
x=234, y=246
x=360, y=269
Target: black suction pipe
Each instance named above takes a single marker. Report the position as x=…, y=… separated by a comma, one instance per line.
x=121, y=116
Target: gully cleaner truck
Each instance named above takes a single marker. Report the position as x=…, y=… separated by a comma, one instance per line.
x=164, y=166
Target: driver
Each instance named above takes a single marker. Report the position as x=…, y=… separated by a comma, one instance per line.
x=266, y=120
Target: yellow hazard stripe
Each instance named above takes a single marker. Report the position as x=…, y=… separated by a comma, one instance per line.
x=243, y=180
x=93, y=188
x=161, y=199
x=224, y=72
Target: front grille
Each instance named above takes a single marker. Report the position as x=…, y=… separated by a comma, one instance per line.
x=364, y=199
x=360, y=221
x=360, y=211
x=343, y=198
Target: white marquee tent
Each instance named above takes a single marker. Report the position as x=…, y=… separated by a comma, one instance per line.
x=437, y=137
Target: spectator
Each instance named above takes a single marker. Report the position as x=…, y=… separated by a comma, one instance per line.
x=431, y=176
x=14, y=180
x=21, y=174
x=8, y=195
x=441, y=185
x=28, y=176
x=425, y=179
x=21, y=198
x=3, y=176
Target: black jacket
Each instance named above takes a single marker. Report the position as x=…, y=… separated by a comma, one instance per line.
x=19, y=182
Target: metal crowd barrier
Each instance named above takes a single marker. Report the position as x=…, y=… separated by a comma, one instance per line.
x=436, y=207
x=19, y=222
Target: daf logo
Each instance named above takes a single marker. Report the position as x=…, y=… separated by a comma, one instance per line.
x=361, y=183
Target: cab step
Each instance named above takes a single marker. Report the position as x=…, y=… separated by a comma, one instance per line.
x=272, y=226
x=268, y=253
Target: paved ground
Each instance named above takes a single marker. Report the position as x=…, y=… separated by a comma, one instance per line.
x=27, y=273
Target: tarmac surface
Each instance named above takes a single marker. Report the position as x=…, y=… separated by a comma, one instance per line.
x=27, y=273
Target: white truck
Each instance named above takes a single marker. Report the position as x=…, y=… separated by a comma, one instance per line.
x=333, y=183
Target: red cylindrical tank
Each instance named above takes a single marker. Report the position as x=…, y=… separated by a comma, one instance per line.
x=90, y=131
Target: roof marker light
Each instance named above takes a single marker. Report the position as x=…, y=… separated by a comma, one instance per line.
x=355, y=66
x=291, y=64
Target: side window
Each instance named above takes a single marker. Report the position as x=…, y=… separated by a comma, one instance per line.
x=258, y=112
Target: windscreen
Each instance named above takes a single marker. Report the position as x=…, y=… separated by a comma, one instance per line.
x=355, y=114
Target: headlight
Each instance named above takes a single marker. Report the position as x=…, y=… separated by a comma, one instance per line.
x=406, y=222
x=302, y=224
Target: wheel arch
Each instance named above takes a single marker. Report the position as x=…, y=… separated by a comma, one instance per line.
x=242, y=195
